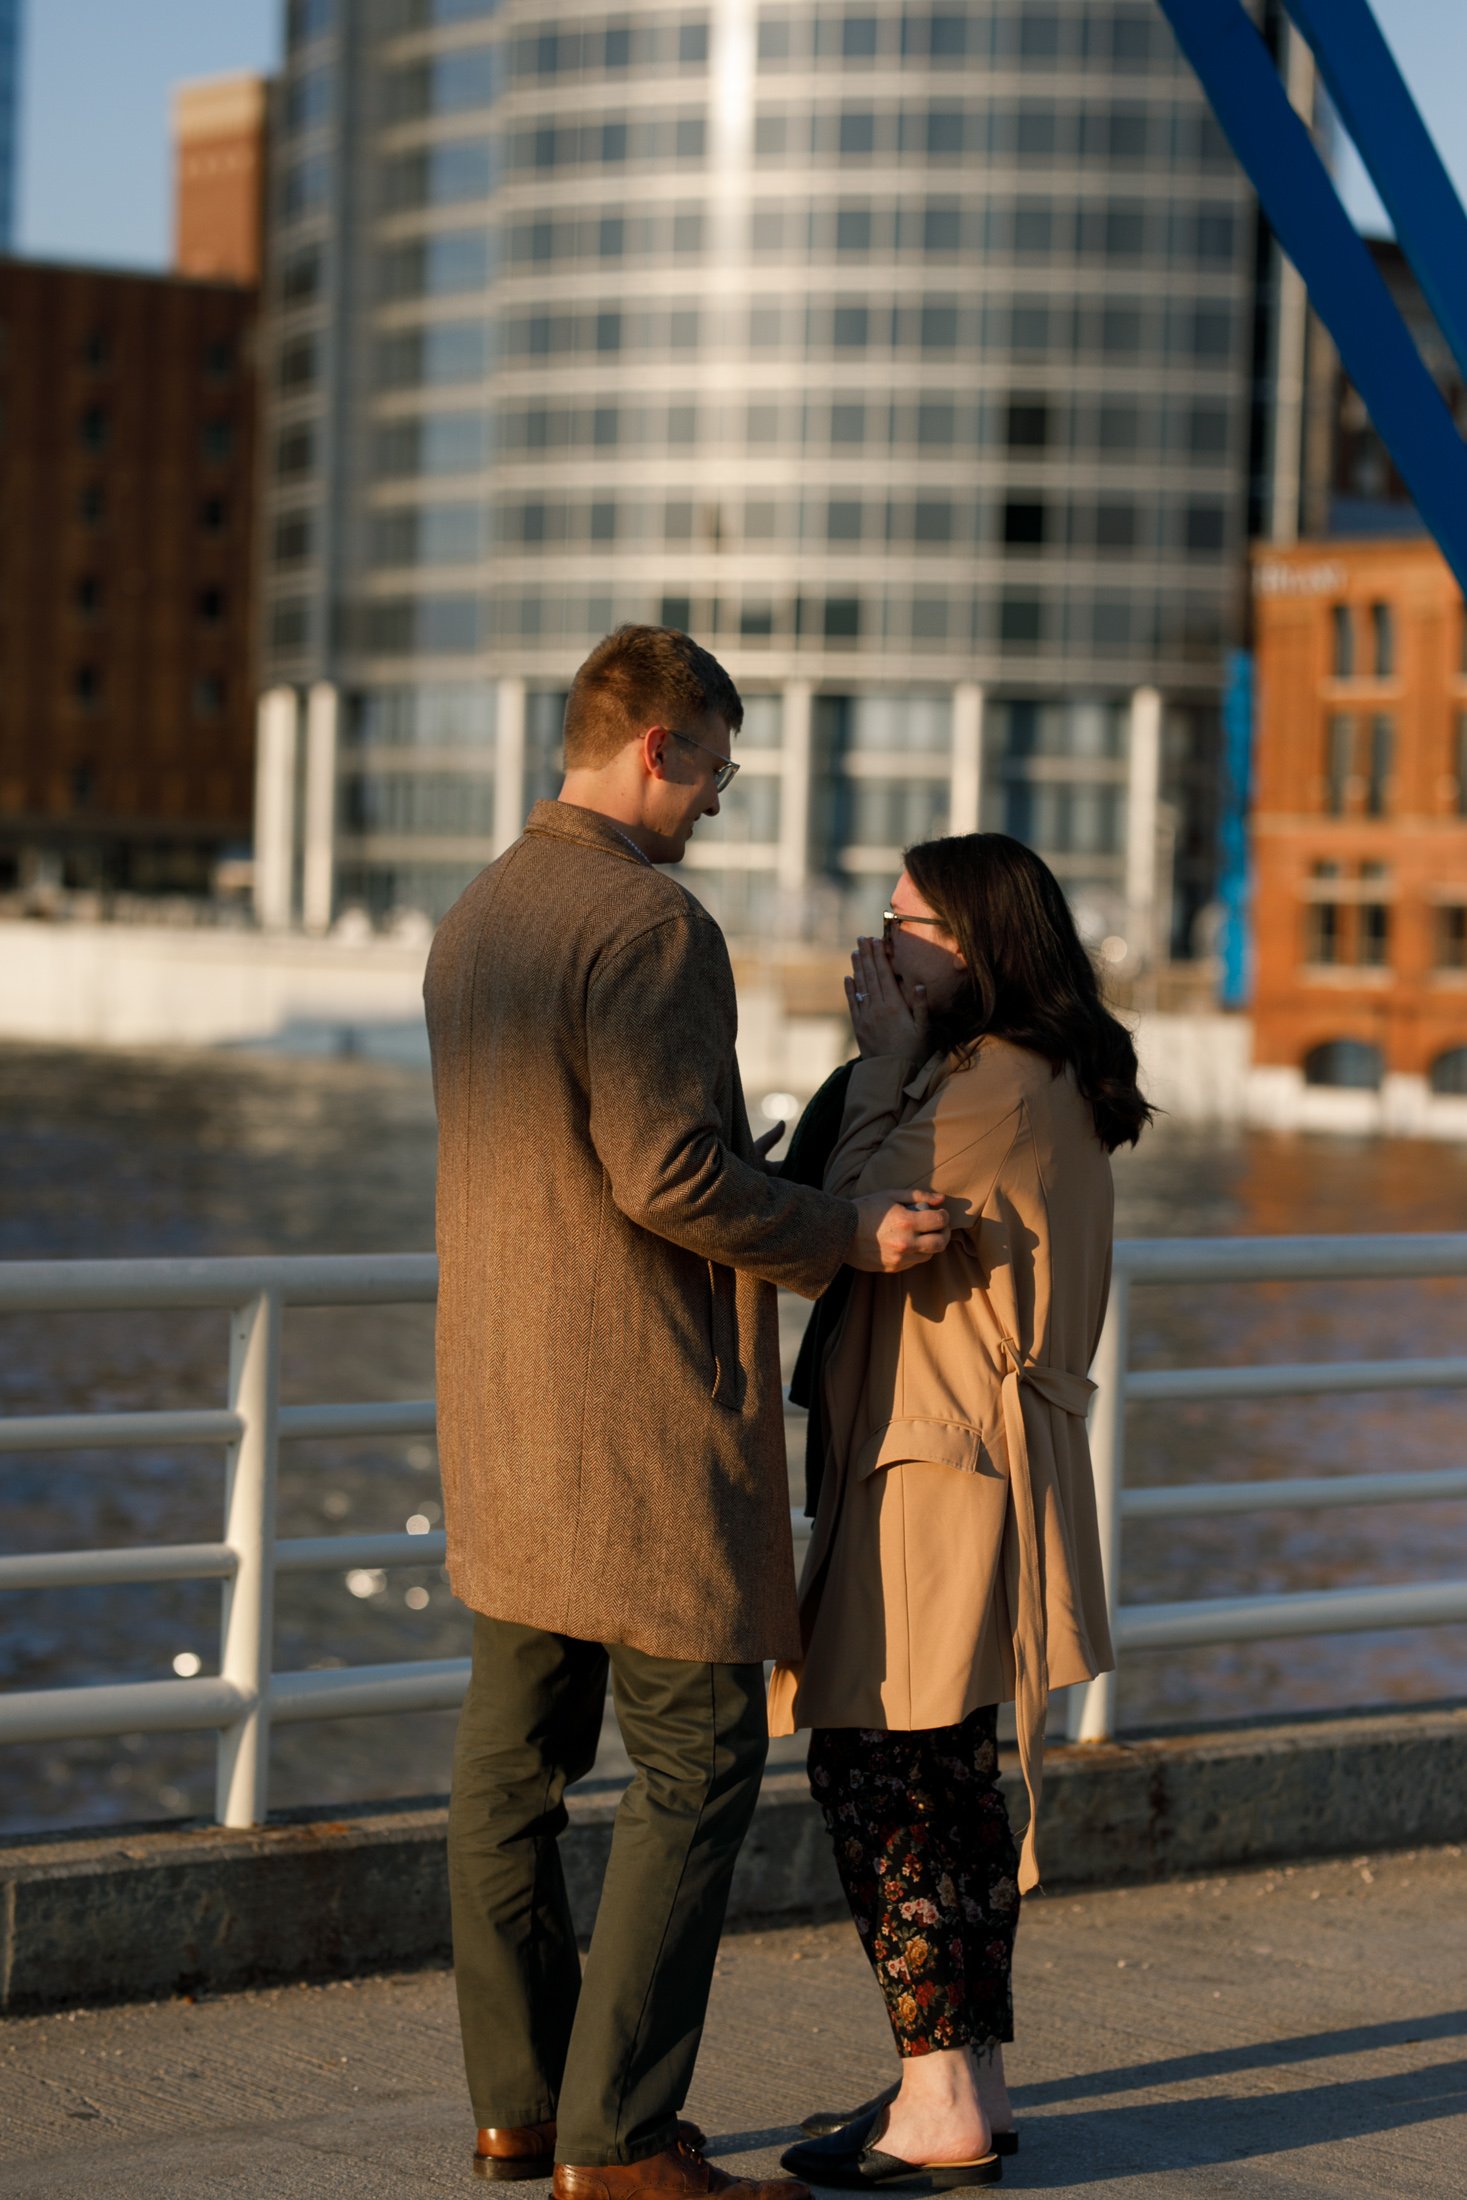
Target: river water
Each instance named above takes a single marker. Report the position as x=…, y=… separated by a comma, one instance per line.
x=241, y=1153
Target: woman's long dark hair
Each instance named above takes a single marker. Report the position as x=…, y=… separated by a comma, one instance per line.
x=1029, y=979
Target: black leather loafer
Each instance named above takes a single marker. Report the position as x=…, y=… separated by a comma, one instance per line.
x=826, y=2122
x=847, y=2160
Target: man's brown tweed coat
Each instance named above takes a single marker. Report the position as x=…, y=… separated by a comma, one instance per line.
x=610, y=1421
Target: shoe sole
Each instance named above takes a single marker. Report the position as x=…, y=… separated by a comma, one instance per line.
x=513, y=2169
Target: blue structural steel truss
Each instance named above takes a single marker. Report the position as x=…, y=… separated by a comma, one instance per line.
x=1303, y=209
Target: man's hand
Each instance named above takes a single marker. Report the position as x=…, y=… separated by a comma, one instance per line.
x=897, y=1230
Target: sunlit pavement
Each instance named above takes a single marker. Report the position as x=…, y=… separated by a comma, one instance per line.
x=1288, y=2032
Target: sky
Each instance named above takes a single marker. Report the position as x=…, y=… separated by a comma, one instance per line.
x=96, y=75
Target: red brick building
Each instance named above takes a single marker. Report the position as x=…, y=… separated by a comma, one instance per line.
x=127, y=478
x=1360, y=831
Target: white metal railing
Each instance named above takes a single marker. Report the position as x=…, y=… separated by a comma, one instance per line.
x=247, y=1696
x=1252, y=1618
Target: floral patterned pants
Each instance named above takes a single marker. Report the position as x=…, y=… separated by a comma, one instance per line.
x=929, y=1866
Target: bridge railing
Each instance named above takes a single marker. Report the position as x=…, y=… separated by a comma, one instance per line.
x=247, y=1696
x=1202, y=1620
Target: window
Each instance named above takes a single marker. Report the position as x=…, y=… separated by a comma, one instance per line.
x=299, y=364
x=1205, y=528
x=842, y=618
x=86, y=687
x=209, y=695
x=307, y=184
x=1115, y=525
x=211, y=606
x=843, y=519
x=1024, y=524
x=937, y=422
x=301, y=275
x=291, y=543
x=434, y=443
x=1383, y=636
x=1322, y=933
x=857, y=135
x=1118, y=427
x=1461, y=764
x=1377, y=785
x=1449, y=947
x=430, y=625
x=308, y=99
x=942, y=228
x=1339, y=764
x=218, y=440
x=1373, y=942
x=93, y=428
x=853, y=229
x=1026, y=426
x=444, y=351
x=1019, y=620
x=1449, y=1073
x=96, y=352
x=88, y=595
x=1351, y=1063
x=1342, y=629
x=932, y=520
x=308, y=20
x=91, y=504
x=288, y=624
x=295, y=452
x=213, y=515
x=456, y=259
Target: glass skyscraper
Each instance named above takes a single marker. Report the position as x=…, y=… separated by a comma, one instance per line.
x=9, y=116
x=907, y=354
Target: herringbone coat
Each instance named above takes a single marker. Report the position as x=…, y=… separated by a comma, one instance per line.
x=610, y=1420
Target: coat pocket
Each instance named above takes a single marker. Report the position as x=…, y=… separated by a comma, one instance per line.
x=945, y=1443
x=723, y=1329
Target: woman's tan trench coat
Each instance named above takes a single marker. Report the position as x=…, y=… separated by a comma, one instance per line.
x=955, y=1559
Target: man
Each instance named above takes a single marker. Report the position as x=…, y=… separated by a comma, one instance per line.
x=611, y=1425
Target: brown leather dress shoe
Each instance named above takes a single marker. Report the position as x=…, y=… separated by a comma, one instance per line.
x=518, y=2151
x=514, y=2151
x=678, y=2173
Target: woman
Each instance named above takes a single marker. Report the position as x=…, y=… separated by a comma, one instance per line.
x=954, y=1561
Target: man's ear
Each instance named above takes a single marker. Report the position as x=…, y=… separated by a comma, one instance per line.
x=653, y=751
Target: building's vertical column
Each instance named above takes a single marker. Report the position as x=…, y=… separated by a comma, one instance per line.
x=1291, y=310
x=1143, y=787
x=794, y=792
x=275, y=747
x=966, y=796
x=318, y=867
x=509, y=763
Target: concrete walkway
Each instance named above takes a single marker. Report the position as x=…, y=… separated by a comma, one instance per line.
x=1292, y=2032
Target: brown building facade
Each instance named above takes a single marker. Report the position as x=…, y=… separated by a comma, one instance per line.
x=1360, y=833
x=127, y=458
x=126, y=489
x=219, y=161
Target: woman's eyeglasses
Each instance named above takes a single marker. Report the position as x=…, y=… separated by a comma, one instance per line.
x=892, y=919
x=727, y=768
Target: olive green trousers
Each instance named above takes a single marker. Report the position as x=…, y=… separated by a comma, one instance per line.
x=608, y=2052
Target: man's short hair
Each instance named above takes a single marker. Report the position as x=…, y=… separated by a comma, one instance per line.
x=643, y=676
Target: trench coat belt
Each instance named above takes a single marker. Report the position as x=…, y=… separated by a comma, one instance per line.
x=1067, y=1394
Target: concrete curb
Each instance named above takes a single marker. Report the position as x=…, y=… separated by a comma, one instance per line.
x=132, y=1914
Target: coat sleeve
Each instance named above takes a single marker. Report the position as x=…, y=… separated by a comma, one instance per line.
x=949, y=1145
x=661, y=1023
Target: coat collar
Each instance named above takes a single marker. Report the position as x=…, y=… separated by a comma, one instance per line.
x=568, y=821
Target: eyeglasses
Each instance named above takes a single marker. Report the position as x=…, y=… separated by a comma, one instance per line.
x=891, y=918
x=727, y=769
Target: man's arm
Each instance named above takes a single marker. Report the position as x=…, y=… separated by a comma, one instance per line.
x=660, y=1025
x=660, y=1020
